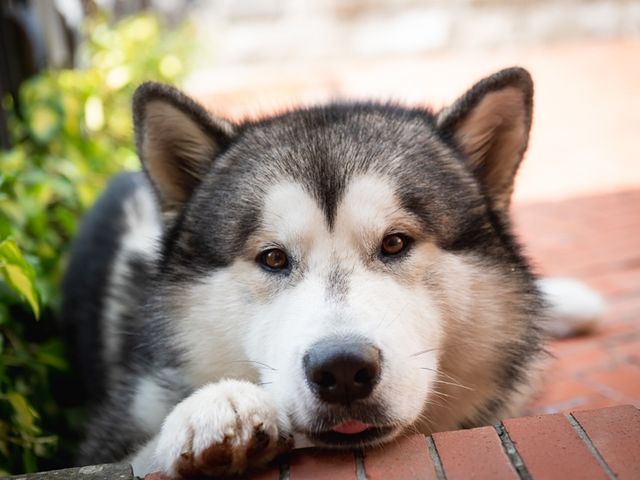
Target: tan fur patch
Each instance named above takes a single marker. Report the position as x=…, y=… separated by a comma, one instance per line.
x=480, y=320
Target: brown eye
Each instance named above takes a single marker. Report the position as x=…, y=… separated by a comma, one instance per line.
x=394, y=244
x=274, y=259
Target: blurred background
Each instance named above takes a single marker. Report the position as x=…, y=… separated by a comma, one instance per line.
x=68, y=69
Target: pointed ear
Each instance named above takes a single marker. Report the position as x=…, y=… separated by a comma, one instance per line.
x=490, y=124
x=177, y=141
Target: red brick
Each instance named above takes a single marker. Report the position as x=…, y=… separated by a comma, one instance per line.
x=616, y=331
x=315, y=464
x=592, y=355
x=558, y=392
x=615, y=432
x=619, y=282
x=629, y=351
x=623, y=379
x=473, y=454
x=552, y=450
x=593, y=402
x=405, y=459
x=589, y=402
x=625, y=309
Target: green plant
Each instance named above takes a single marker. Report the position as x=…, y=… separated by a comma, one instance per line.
x=71, y=130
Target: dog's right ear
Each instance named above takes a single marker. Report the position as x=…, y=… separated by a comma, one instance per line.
x=177, y=141
x=490, y=125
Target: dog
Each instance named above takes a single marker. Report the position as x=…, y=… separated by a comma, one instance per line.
x=336, y=276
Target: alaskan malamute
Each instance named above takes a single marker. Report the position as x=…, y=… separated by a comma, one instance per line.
x=335, y=275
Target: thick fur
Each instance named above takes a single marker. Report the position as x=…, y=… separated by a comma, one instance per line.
x=194, y=350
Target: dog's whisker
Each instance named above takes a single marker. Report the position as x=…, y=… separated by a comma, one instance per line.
x=441, y=394
x=393, y=318
x=422, y=352
x=440, y=372
x=254, y=362
x=454, y=384
x=425, y=418
x=448, y=346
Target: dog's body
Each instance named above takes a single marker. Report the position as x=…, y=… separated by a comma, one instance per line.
x=343, y=274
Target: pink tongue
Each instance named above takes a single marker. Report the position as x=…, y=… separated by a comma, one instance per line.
x=351, y=427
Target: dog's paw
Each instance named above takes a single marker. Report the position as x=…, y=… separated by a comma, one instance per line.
x=222, y=429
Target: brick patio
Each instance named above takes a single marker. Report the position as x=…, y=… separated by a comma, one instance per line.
x=594, y=238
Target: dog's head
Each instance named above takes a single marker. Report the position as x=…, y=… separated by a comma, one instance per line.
x=355, y=259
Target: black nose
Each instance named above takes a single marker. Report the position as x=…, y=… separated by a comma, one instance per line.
x=342, y=370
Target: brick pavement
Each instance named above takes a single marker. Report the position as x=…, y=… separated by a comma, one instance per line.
x=593, y=238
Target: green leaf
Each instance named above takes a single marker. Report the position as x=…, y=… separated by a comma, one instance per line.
x=52, y=354
x=25, y=415
x=45, y=120
x=18, y=273
x=29, y=461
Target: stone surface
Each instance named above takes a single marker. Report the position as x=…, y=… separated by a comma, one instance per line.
x=114, y=471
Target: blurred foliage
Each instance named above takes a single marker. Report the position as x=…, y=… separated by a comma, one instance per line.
x=71, y=130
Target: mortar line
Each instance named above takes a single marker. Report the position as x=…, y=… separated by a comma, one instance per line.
x=285, y=473
x=361, y=473
x=435, y=458
x=584, y=436
x=512, y=452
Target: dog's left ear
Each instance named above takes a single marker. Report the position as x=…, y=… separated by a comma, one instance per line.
x=177, y=141
x=490, y=124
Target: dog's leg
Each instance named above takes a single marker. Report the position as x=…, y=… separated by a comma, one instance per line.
x=222, y=429
x=574, y=308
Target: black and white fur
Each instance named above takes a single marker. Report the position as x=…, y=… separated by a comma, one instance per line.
x=197, y=354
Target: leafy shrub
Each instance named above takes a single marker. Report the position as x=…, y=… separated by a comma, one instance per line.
x=71, y=131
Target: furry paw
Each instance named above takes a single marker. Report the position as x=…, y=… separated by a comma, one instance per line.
x=222, y=429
